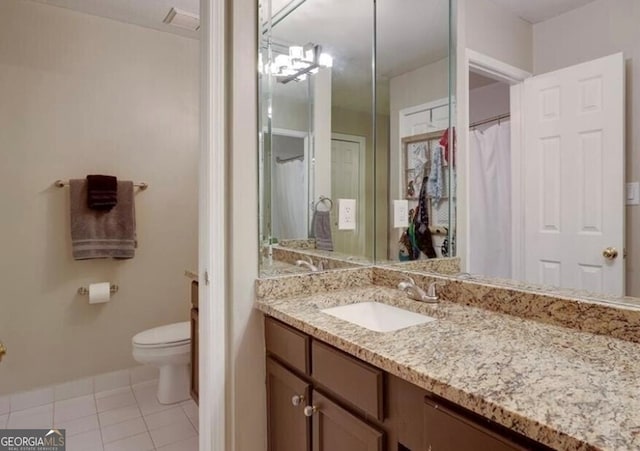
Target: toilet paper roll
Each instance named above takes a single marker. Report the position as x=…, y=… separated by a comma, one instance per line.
x=99, y=292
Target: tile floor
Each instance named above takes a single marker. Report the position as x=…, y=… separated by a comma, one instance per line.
x=122, y=419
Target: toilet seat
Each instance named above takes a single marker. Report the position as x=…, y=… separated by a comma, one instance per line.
x=176, y=334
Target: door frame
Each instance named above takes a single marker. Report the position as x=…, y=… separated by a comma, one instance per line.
x=500, y=71
x=212, y=255
x=362, y=142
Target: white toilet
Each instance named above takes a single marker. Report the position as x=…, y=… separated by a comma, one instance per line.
x=168, y=348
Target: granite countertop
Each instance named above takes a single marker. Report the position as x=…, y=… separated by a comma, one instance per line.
x=561, y=387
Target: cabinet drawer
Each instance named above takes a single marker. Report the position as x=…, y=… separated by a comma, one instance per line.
x=446, y=430
x=287, y=344
x=354, y=381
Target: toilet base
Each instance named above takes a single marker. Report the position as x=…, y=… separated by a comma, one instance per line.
x=173, y=384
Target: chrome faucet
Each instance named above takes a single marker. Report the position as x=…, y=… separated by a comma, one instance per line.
x=309, y=265
x=416, y=293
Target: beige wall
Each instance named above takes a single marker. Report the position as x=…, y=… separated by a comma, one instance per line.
x=246, y=419
x=423, y=85
x=82, y=94
x=359, y=123
x=498, y=33
x=599, y=29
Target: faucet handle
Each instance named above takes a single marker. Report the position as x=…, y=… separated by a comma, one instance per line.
x=431, y=290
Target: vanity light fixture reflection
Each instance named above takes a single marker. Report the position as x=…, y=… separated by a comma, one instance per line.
x=299, y=63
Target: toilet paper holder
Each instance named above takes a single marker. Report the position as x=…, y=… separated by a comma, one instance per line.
x=82, y=291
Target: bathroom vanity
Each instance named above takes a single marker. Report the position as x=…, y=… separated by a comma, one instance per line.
x=194, y=341
x=498, y=369
x=322, y=399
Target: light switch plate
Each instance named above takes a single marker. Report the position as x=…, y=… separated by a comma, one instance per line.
x=346, y=214
x=400, y=213
x=633, y=193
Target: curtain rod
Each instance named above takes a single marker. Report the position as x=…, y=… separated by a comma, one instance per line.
x=286, y=160
x=491, y=119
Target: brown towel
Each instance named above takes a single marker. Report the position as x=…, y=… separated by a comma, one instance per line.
x=102, y=192
x=102, y=234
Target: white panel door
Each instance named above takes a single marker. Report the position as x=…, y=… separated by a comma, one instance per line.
x=347, y=183
x=574, y=176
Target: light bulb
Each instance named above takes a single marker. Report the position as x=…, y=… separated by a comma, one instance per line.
x=296, y=52
x=326, y=60
x=309, y=55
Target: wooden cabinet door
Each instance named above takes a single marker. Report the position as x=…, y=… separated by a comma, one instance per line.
x=335, y=429
x=288, y=428
x=195, y=346
x=446, y=430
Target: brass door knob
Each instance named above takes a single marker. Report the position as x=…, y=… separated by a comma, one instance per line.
x=610, y=253
x=3, y=350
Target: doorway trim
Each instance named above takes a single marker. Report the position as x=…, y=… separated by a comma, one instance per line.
x=212, y=252
x=500, y=71
x=362, y=142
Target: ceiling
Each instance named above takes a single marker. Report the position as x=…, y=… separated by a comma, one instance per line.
x=534, y=11
x=147, y=13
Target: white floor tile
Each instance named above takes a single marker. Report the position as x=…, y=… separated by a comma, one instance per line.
x=35, y=417
x=73, y=389
x=176, y=432
x=148, y=400
x=33, y=398
x=115, y=399
x=118, y=415
x=5, y=404
x=187, y=445
x=123, y=430
x=191, y=410
x=140, y=442
x=109, y=381
x=165, y=418
x=79, y=425
x=3, y=421
x=71, y=409
x=86, y=441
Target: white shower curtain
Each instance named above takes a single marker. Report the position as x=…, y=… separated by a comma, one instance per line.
x=490, y=201
x=288, y=201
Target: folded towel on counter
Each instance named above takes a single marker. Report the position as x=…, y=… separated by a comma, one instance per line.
x=102, y=234
x=322, y=230
x=102, y=192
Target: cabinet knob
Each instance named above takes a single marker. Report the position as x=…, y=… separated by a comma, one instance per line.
x=3, y=350
x=310, y=410
x=297, y=400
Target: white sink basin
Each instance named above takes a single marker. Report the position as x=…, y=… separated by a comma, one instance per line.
x=377, y=316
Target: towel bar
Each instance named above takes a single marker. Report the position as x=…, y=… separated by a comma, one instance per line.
x=61, y=184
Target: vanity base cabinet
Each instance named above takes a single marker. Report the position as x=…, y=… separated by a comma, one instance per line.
x=335, y=429
x=288, y=428
x=447, y=430
x=195, y=343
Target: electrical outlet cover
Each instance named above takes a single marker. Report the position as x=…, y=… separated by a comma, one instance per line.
x=400, y=213
x=346, y=214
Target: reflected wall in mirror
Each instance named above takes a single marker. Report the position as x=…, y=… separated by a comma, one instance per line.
x=317, y=143
x=414, y=62
x=544, y=152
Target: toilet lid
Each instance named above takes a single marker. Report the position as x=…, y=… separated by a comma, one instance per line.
x=169, y=334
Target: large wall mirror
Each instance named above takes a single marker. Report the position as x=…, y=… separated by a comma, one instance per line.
x=354, y=108
x=317, y=144
x=547, y=146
